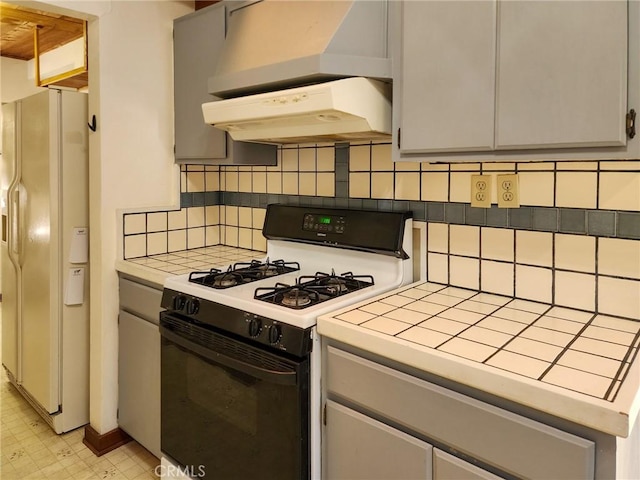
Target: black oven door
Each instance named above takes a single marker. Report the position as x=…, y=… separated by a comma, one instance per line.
x=230, y=410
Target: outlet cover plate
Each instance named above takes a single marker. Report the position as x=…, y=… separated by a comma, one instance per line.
x=508, y=191
x=481, y=191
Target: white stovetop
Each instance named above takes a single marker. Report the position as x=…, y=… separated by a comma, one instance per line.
x=572, y=364
x=388, y=272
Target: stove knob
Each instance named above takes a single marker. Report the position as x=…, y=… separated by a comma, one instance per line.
x=193, y=306
x=275, y=333
x=255, y=327
x=179, y=302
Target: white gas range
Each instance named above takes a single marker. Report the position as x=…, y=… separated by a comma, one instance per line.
x=250, y=328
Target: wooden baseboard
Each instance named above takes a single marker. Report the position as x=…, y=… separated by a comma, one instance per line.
x=101, y=444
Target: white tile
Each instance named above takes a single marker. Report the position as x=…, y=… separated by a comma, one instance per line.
x=566, y=326
x=497, y=277
x=425, y=307
x=477, y=307
x=430, y=287
x=536, y=188
x=326, y=186
x=307, y=159
x=135, y=223
x=616, y=323
x=359, y=185
x=407, y=316
x=442, y=299
x=444, y=325
x=438, y=237
x=195, y=217
x=502, y=325
x=438, y=267
x=382, y=185
x=533, y=348
x=528, y=306
x=568, y=194
x=386, y=325
x=619, y=297
x=498, y=243
x=325, y=158
x=520, y=364
x=577, y=166
x=377, y=308
x=619, y=257
x=577, y=380
x=516, y=315
x=360, y=158
x=135, y=246
x=464, y=272
x=589, y=363
x=486, y=336
x=620, y=191
x=407, y=186
x=423, y=336
x=467, y=349
x=464, y=240
x=460, y=187
x=435, y=187
x=397, y=300
x=415, y=293
x=491, y=299
x=355, y=316
x=157, y=243
x=534, y=248
x=177, y=240
x=381, y=158
x=157, y=222
x=462, y=316
x=576, y=290
x=289, y=160
x=609, y=335
x=458, y=292
x=569, y=314
x=575, y=252
x=178, y=219
x=620, y=165
x=552, y=337
x=258, y=216
x=533, y=283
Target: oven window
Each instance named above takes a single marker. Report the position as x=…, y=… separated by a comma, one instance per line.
x=231, y=424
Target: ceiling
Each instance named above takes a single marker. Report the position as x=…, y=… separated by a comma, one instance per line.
x=17, y=24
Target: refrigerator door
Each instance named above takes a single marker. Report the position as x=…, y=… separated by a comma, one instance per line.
x=8, y=262
x=39, y=247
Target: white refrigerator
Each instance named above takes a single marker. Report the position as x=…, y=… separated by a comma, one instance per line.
x=44, y=254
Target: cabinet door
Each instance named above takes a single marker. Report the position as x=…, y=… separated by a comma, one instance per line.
x=447, y=76
x=562, y=74
x=139, y=380
x=197, y=42
x=358, y=447
x=448, y=467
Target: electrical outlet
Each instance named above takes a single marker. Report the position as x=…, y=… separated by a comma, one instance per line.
x=481, y=191
x=508, y=191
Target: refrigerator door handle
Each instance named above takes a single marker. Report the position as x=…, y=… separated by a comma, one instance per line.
x=14, y=236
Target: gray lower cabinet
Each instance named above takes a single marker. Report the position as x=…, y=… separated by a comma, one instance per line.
x=139, y=363
x=380, y=423
x=361, y=448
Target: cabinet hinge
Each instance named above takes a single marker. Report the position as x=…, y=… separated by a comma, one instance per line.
x=324, y=414
x=398, y=138
x=631, y=123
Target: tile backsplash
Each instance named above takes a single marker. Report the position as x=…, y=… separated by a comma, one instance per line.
x=574, y=242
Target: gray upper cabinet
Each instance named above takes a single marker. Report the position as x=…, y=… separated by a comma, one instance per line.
x=481, y=80
x=197, y=42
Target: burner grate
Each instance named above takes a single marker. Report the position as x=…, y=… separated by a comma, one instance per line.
x=242, y=273
x=310, y=290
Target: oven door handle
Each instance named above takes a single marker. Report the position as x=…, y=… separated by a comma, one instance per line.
x=271, y=376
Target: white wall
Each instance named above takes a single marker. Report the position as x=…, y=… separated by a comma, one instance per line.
x=131, y=155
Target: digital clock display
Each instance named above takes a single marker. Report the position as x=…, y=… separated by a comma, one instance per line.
x=324, y=220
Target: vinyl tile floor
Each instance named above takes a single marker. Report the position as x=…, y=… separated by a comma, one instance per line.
x=31, y=450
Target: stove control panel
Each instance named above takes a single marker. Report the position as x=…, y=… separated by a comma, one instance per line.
x=324, y=223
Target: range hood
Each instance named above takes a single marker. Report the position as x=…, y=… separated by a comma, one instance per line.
x=298, y=71
x=342, y=110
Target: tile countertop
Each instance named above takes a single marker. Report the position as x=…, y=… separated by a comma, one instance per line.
x=156, y=268
x=576, y=365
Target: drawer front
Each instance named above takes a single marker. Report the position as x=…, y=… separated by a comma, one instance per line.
x=140, y=300
x=361, y=448
x=512, y=443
